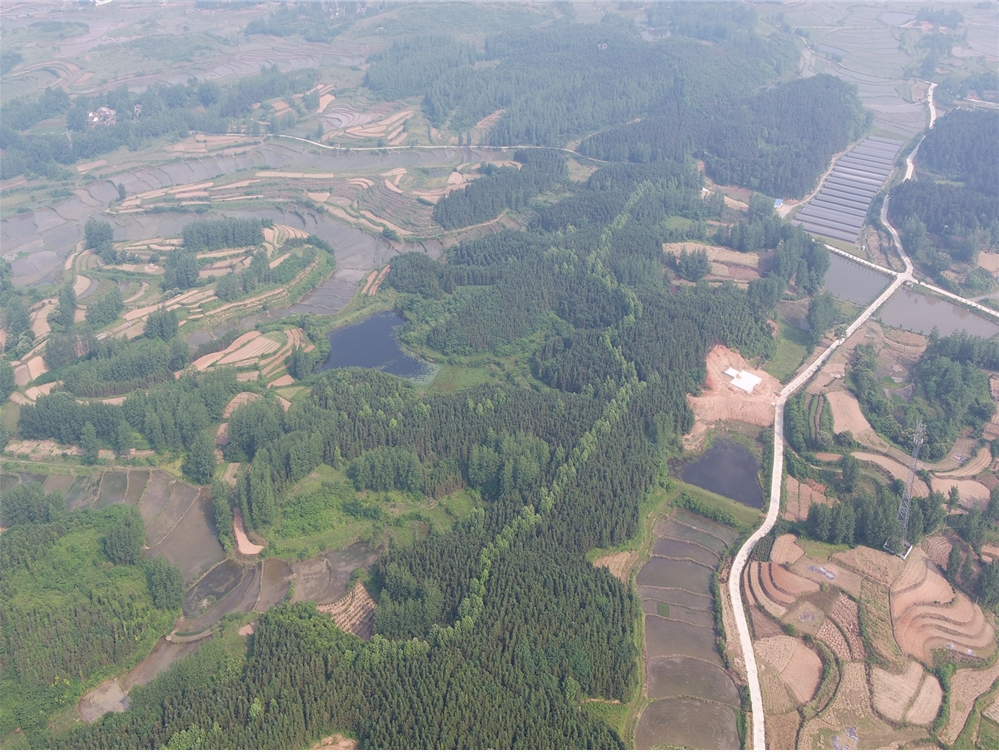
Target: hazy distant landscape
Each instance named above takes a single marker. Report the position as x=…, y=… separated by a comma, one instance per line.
x=548, y=375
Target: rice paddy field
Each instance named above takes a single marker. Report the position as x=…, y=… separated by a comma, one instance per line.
x=686, y=676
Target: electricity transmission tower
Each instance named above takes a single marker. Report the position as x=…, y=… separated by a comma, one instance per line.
x=905, y=505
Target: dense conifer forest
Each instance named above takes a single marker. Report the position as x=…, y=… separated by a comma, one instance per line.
x=952, y=214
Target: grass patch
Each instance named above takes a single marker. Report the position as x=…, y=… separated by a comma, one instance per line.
x=793, y=347
x=820, y=551
x=10, y=413
x=662, y=609
x=617, y=715
x=747, y=517
x=324, y=512
x=452, y=378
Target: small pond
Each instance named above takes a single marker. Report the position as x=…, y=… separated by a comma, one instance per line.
x=374, y=343
x=729, y=470
x=853, y=282
x=920, y=313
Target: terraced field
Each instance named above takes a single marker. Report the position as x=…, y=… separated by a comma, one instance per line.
x=686, y=675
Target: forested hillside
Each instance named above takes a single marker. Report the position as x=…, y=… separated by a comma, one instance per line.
x=688, y=97
x=76, y=604
x=952, y=214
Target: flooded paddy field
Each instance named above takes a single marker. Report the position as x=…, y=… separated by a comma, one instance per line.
x=113, y=485
x=213, y=587
x=675, y=529
x=665, y=637
x=44, y=237
x=669, y=573
x=694, y=617
x=686, y=723
x=327, y=577
x=241, y=598
x=679, y=598
x=682, y=676
x=729, y=470
x=275, y=580
x=179, y=501
x=156, y=496
x=683, y=661
x=675, y=549
x=192, y=544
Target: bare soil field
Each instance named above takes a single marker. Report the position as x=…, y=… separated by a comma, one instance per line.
x=776, y=651
x=803, y=673
x=716, y=254
x=720, y=401
x=336, y=741
x=974, y=495
x=879, y=566
x=894, y=692
x=782, y=730
x=243, y=544
x=847, y=415
x=926, y=706
x=846, y=614
x=834, y=639
x=927, y=614
x=828, y=573
x=786, y=550
x=896, y=469
x=799, y=498
x=966, y=686
x=777, y=698
x=106, y=698
x=354, y=613
x=937, y=549
x=686, y=723
x=849, y=721
x=619, y=564
x=980, y=462
x=162, y=656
